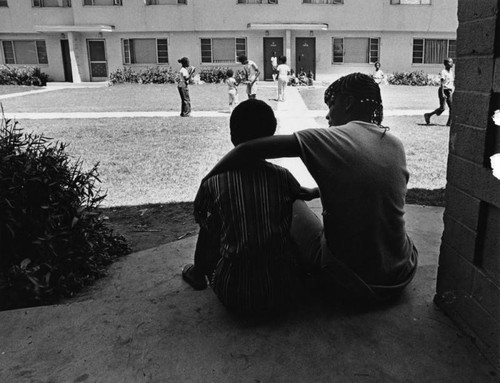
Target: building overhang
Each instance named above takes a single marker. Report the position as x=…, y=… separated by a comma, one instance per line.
x=74, y=28
x=289, y=26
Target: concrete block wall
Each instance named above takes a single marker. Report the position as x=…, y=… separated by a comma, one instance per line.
x=468, y=284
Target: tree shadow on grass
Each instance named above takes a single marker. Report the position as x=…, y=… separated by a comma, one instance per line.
x=426, y=197
x=152, y=225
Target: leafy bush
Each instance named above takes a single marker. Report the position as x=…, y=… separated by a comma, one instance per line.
x=53, y=240
x=26, y=75
x=151, y=75
x=218, y=74
x=158, y=75
x=415, y=78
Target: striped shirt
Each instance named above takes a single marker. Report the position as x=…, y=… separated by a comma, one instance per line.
x=254, y=205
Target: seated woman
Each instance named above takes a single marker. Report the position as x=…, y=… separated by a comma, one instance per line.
x=361, y=251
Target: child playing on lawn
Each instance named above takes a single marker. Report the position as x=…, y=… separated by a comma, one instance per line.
x=245, y=217
x=378, y=75
x=232, y=89
x=445, y=92
x=283, y=72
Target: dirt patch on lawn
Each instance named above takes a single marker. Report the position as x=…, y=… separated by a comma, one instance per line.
x=152, y=225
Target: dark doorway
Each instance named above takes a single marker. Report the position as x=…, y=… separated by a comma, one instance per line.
x=68, y=73
x=271, y=44
x=97, y=60
x=305, y=59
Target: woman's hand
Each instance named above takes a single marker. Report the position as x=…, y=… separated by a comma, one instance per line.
x=308, y=194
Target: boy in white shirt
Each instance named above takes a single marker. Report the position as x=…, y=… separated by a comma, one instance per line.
x=445, y=92
x=232, y=90
x=251, y=75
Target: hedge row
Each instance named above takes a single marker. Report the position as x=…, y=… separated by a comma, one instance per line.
x=22, y=76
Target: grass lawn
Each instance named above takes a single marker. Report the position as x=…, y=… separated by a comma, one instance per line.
x=9, y=89
x=130, y=98
x=172, y=155
x=143, y=160
x=149, y=165
x=393, y=97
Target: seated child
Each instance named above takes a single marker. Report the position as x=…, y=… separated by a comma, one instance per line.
x=245, y=215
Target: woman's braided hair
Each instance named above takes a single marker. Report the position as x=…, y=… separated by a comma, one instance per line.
x=363, y=89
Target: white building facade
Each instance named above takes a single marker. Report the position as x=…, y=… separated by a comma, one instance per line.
x=86, y=40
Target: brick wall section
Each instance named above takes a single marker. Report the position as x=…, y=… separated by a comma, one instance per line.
x=468, y=285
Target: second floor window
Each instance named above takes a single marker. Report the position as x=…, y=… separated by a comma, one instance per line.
x=165, y=2
x=411, y=2
x=355, y=50
x=25, y=52
x=3, y=3
x=323, y=1
x=51, y=3
x=433, y=51
x=145, y=51
x=102, y=2
x=257, y=1
x=222, y=50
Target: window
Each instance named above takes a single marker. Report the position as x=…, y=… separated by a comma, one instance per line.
x=355, y=50
x=3, y=3
x=25, y=52
x=102, y=2
x=257, y=1
x=165, y=2
x=411, y=2
x=323, y=1
x=145, y=51
x=51, y=3
x=222, y=50
x=433, y=51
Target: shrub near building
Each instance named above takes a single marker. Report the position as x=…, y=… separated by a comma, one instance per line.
x=22, y=76
x=53, y=241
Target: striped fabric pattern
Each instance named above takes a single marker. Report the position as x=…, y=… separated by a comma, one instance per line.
x=255, y=271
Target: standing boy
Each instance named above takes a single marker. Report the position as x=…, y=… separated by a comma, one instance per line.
x=251, y=75
x=445, y=91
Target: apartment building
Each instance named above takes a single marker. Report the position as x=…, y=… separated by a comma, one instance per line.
x=85, y=40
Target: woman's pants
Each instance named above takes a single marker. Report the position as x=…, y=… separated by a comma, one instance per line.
x=185, y=101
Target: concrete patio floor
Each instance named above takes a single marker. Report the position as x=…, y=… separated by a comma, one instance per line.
x=143, y=323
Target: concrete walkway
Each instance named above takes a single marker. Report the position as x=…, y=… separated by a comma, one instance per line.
x=144, y=324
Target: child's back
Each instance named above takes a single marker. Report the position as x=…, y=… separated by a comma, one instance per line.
x=254, y=206
x=245, y=216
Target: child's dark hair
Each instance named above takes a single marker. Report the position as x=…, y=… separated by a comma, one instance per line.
x=229, y=73
x=282, y=59
x=251, y=119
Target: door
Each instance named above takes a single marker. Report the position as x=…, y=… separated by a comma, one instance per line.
x=97, y=60
x=68, y=74
x=271, y=44
x=305, y=59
